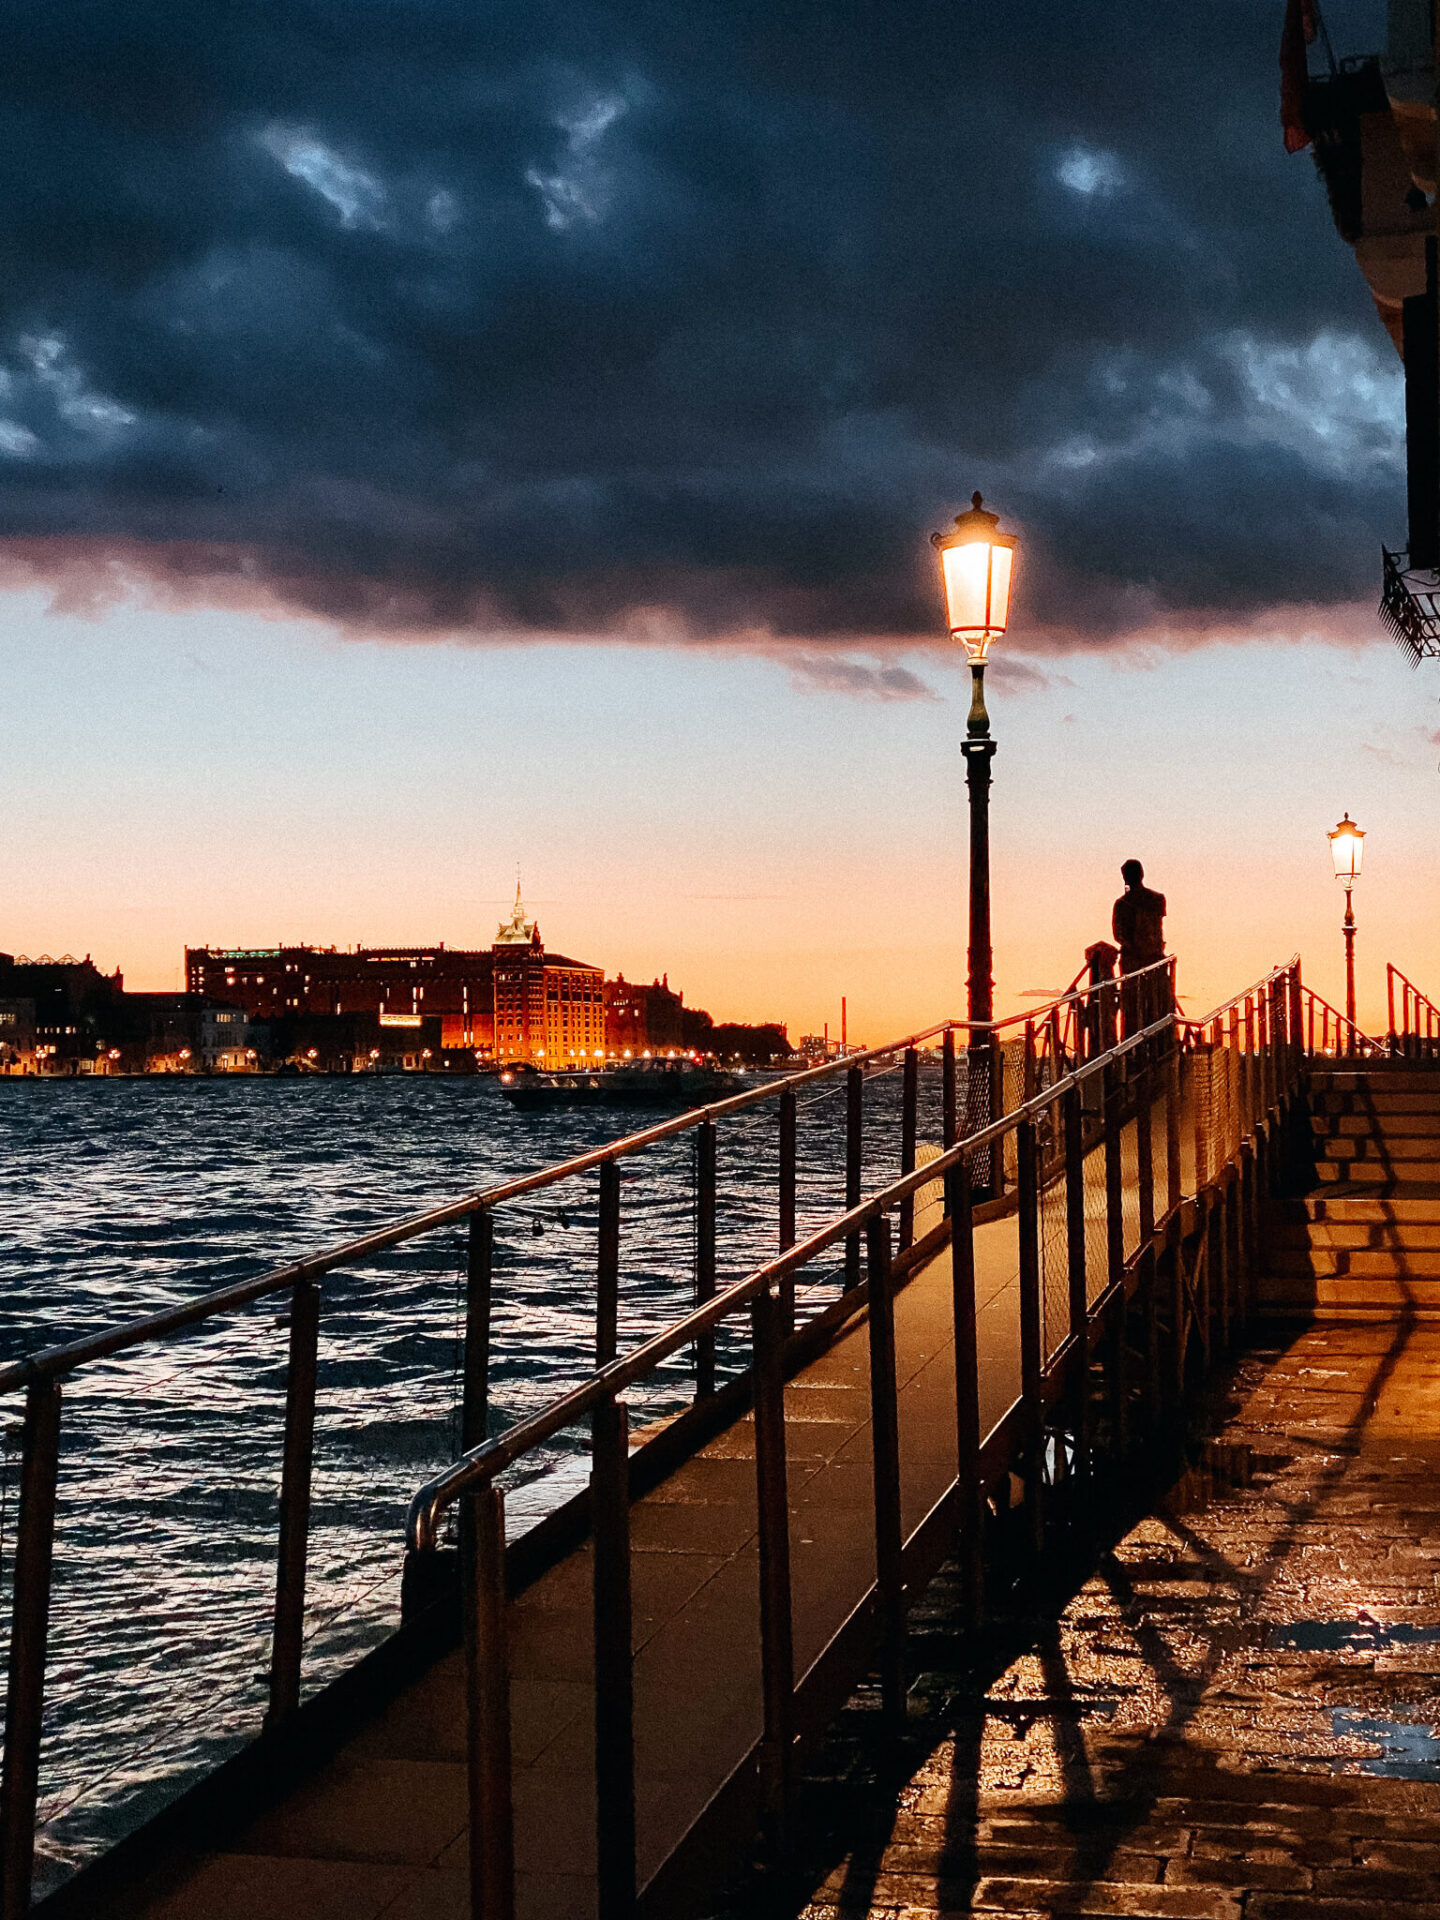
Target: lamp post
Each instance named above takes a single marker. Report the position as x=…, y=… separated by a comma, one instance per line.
x=1347, y=850
x=976, y=564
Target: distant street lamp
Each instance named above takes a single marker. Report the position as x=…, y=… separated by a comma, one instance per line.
x=976, y=564
x=1347, y=850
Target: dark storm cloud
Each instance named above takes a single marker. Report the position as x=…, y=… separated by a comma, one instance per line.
x=686, y=322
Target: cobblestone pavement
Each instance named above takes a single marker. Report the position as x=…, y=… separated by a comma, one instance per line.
x=1236, y=1715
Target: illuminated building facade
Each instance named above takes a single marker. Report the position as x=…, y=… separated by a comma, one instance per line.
x=549, y=1010
x=400, y=985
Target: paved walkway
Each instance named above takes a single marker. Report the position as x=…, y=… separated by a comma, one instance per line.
x=1236, y=1716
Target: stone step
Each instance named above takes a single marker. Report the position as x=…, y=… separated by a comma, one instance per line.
x=1348, y=1296
x=1397, y=1126
x=1414, y=1204
x=1385, y=1104
x=1356, y=1233
x=1363, y=1146
x=1401, y=1078
x=1398, y=1169
x=1365, y=1263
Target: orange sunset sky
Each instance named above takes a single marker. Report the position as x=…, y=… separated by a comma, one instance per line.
x=771, y=829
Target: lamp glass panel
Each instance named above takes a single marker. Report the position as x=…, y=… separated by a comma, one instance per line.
x=1347, y=849
x=966, y=572
x=1002, y=560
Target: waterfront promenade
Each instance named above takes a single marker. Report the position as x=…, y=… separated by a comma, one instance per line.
x=700, y=1623
x=1238, y=1714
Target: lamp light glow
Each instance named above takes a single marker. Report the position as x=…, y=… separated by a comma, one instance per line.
x=977, y=564
x=1347, y=850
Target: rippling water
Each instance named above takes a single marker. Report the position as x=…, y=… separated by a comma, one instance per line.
x=120, y=1197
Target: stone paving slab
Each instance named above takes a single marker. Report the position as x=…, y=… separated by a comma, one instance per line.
x=1236, y=1718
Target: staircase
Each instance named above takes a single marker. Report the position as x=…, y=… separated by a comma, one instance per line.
x=1364, y=1243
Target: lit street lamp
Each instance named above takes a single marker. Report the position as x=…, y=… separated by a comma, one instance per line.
x=1347, y=850
x=976, y=563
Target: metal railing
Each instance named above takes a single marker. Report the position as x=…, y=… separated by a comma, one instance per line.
x=1172, y=1258
x=1332, y=1034
x=1416, y=1034
x=1018, y=1054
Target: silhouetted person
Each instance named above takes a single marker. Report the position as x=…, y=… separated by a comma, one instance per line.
x=1138, y=923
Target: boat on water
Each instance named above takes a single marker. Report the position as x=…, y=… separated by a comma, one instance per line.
x=637, y=1083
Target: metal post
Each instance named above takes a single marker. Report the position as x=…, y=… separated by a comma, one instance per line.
x=1173, y=1184
x=909, y=1102
x=979, y=752
x=479, y=1269
x=607, y=1266
x=777, y=1654
x=1252, y=1112
x=1031, y=1334
x=1114, y=1211
x=1179, y=1307
x=854, y=1142
x=487, y=1705
x=1145, y=1150
x=705, y=1252
x=788, y=1161
x=614, y=1668
x=1147, y=1295
x=289, y=1635
x=1390, y=1002
x=950, y=1122
x=1074, y=1122
x=1348, y=927
x=885, y=1455
x=29, y=1629
x=970, y=1517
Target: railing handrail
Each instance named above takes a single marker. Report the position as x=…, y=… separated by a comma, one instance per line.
x=53, y=1362
x=482, y=1463
x=1392, y=973
x=1239, y=999
x=1344, y=1020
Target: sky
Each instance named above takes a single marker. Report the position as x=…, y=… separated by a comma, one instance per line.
x=436, y=439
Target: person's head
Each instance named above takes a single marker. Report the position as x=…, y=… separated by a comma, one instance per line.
x=1132, y=873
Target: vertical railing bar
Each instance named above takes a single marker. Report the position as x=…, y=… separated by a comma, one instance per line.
x=885, y=1458
x=1251, y=1113
x=487, y=1705
x=1114, y=1214
x=614, y=1664
x=479, y=1275
x=909, y=1103
x=607, y=1266
x=1031, y=1357
x=705, y=1252
x=789, y=1155
x=854, y=1142
x=1074, y=1124
x=949, y=1110
x=289, y=1632
x=1173, y=1184
x=29, y=1631
x=970, y=1515
x=1145, y=1149
x=777, y=1654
